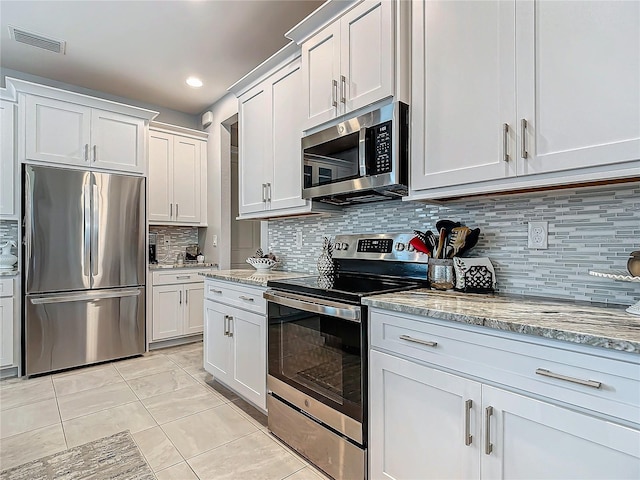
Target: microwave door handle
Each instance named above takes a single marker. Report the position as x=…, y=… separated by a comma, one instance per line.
x=362, y=152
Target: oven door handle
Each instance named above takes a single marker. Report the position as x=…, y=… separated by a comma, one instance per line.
x=332, y=309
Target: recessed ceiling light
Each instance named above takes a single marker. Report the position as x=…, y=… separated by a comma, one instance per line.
x=194, y=82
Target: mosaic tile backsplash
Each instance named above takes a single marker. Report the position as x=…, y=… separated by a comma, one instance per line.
x=590, y=228
x=9, y=231
x=178, y=237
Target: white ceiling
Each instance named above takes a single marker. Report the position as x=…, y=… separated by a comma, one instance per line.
x=145, y=50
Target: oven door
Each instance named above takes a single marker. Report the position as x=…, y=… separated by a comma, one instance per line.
x=316, y=352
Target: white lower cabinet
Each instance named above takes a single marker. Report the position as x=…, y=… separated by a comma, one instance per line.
x=176, y=305
x=429, y=422
x=235, y=340
x=6, y=322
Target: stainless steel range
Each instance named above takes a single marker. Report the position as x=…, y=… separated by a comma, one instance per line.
x=317, y=349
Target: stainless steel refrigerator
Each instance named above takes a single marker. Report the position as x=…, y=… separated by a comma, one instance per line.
x=84, y=266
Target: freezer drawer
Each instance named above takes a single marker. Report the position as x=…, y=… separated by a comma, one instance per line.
x=73, y=329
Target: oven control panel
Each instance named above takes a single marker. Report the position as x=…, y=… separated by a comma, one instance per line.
x=377, y=246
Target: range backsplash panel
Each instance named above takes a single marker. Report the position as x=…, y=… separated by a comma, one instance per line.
x=590, y=228
x=178, y=239
x=9, y=231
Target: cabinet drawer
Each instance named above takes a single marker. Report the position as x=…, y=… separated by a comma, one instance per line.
x=588, y=377
x=172, y=278
x=6, y=287
x=236, y=295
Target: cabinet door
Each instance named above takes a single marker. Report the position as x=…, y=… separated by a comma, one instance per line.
x=249, y=336
x=167, y=312
x=463, y=92
x=321, y=76
x=255, y=144
x=419, y=421
x=6, y=331
x=366, y=54
x=8, y=177
x=160, y=183
x=534, y=439
x=117, y=141
x=217, y=346
x=193, y=312
x=286, y=119
x=186, y=179
x=56, y=131
x=578, y=83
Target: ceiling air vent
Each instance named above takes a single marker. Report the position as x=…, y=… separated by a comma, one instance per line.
x=35, y=40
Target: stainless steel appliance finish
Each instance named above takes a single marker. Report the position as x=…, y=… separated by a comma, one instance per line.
x=84, y=243
x=328, y=451
x=359, y=160
x=73, y=329
x=317, y=349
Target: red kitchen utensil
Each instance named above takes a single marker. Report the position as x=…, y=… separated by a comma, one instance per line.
x=419, y=245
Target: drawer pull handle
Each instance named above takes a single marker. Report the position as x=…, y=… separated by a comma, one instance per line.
x=505, y=142
x=417, y=340
x=213, y=290
x=523, y=125
x=183, y=277
x=488, y=446
x=248, y=299
x=468, y=438
x=586, y=383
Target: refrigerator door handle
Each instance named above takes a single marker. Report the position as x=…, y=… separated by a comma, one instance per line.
x=86, y=230
x=95, y=229
x=79, y=297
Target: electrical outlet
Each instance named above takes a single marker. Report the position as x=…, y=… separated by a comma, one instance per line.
x=538, y=233
x=215, y=240
x=299, y=239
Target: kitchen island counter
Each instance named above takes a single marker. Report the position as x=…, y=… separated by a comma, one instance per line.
x=578, y=322
x=252, y=277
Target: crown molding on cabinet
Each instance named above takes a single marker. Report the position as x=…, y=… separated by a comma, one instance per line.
x=325, y=14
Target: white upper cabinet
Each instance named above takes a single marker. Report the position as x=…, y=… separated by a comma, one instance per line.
x=523, y=94
x=177, y=175
x=57, y=131
x=350, y=63
x=464, y=99
x=270, y=131
x=578, y=84
x=8, y=171
x=254, y=129
x=117, y=141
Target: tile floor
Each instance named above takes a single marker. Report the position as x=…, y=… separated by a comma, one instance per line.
x=186, y=426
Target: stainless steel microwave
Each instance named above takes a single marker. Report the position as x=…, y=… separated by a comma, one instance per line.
x=359, y=160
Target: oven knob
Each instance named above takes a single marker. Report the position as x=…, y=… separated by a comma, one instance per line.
x=306, y=403
x=411, y=248
x=345, y=246
x=337, y=246
x=399, y=246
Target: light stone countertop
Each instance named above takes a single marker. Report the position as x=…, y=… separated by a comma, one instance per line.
x=187, y=266
x=577, y=322
x=252, y=277
x=9, y=273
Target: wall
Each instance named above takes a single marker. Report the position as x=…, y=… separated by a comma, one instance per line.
x=589, y=228
x=219, y=182
x=9, y=231
x=173, y=240
x=166, y=115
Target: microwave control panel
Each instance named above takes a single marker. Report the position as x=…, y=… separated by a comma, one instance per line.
x=382, y=149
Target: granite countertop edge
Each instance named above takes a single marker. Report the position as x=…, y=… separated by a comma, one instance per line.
x=625, y=337
x=251, y=277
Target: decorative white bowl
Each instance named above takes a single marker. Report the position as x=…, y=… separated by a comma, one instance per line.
x=261, y=264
